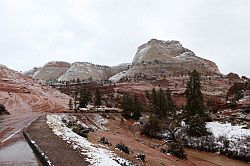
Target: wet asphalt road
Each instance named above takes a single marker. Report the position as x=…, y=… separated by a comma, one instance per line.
x=14, y=150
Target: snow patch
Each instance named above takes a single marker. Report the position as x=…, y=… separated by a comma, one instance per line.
x=227, y=130
x=117, y=77
x=186, y=56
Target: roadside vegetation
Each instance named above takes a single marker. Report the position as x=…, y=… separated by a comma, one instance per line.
x=187, y=126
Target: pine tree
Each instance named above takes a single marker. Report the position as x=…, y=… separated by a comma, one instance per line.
x=75, y=104
x=98, y=97
x=70, y=104
x=78, y=80
x=137, y=109
x=147, y=94
x=127, y=106
x=195, y=107
x=153, y=127
x=161, y=104
x=83, y=101
x=170, y=105
x=154, y=100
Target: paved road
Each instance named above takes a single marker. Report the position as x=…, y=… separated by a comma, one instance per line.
x=14, y=150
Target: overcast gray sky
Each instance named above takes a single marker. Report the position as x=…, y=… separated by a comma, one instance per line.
x=33, y=32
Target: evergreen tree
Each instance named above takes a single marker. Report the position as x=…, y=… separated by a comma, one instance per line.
x=170, y=105
x=78, y=80
x=137, y=109
x=195, y=107
x=154, y=100
x=98, y=97
x=70, y=104
x=153, y=127
x=127, y=105
x=83, y=101
x=75, y=104
x=161, y=105
x=147, y=94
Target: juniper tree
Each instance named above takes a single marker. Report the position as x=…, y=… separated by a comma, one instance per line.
x=195, y=112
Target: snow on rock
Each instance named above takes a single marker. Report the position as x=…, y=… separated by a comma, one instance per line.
x=100, y=120
x=117, y=77
x=227, y=130
x=83, y=70
x=97, y=155
x=186, y=56
x=140, y=53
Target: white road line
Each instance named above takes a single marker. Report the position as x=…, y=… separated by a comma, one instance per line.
x=9, y=137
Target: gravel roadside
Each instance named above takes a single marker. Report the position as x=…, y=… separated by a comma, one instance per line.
x=57, y=150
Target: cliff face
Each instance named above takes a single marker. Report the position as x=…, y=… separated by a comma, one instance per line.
x=168, y=58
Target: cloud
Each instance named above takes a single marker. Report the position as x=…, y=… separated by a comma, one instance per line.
x=33, y=32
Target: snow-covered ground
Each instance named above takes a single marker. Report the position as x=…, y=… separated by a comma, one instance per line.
x=230, y=132
x=236, y=136
x=232, y=141
x=100, y=121
x=97, y=155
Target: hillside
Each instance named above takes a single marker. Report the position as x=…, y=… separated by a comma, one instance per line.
x=20, y=93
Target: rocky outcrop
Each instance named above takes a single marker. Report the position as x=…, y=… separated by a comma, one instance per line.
x=50, y=71
x=159, y=57
x=118, y=69
x=33, y=72
x=233, y=76
x=83, y=71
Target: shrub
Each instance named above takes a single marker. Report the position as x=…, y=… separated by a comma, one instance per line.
x=122, y=147
x=141, y=156
x=78, y=129
x=197, y=127
x=3, y=109
x=105, y=141
x=175, y=149
x=152, y=127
